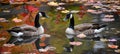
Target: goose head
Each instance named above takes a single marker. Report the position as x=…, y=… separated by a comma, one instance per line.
x=38, y=15
x=43, y=14
x=68, y=16
x=71, y=17
x=37, y=24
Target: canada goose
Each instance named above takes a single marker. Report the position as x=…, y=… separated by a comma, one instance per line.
x=26, y=33
x=70, y=33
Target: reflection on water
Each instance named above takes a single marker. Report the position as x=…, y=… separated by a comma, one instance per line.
x=99, y=46
x=112, y=31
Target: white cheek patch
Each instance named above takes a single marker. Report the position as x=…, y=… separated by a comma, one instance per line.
x=40, y=14
x=71, y=16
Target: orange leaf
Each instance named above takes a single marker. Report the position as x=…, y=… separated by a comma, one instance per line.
x=43, y=38
x=42, y=44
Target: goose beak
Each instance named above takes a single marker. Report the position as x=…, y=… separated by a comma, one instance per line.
x=45, y=16
x=65, y=19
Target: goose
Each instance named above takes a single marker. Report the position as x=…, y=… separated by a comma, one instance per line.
x=71, y=32
x=25, y=33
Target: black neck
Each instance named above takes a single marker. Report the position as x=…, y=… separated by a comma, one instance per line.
x=71, y=25
x=37, y=24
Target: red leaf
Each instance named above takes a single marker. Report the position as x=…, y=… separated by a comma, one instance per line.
x=31, y=8
x=23, y=14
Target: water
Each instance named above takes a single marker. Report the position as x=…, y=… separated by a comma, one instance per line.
x=99, y=47
x=12, y=11
x=112, y=31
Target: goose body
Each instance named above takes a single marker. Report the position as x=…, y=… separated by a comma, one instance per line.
x=83, y=26
x=69, y=31
x=26, y=32
x=87, y=26
x=91, y=32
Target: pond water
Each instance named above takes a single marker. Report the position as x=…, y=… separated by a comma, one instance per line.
x=99, y=47
x=112, y=31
